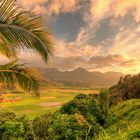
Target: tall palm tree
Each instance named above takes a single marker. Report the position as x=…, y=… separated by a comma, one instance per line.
x=21, y=30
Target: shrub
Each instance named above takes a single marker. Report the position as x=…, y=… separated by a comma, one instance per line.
x=81, y=118
x=63, y=126
x=134, y=135
x=42, y=126
x=85, y=105
x=70, y=127
x=12, y=128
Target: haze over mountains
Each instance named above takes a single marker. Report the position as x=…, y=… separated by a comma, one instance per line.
x=81, y=76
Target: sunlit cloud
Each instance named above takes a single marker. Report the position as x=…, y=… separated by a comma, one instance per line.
x=101, y=9
x=103, y=63
x=59, y=6
x=108, y=39
x=127, y=42
x=50, y=7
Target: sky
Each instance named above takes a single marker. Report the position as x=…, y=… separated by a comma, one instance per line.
x=98, y=35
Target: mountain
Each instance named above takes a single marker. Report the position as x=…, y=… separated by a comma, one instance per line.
x=81, y=76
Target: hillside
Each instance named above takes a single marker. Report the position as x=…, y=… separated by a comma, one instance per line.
x=81, y=76
x=124, y=122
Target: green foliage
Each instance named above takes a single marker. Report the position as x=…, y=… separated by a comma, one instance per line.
x=128, y=87
x=21, y=30
x=78, y=119
x=85, y=105
x=134, y=135
x=42, y=126
x=13, y=73
x=63, y=126
x=12, y=128
x=123, y=122
x=70, y=127
x=104, y=99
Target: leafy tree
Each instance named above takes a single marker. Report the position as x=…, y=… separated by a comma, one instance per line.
x=128, y=87
x=87, y=106
x=21, y=30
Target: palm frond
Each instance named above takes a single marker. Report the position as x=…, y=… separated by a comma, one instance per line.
x=24, y=30
x=13, y=73
x=5, y=49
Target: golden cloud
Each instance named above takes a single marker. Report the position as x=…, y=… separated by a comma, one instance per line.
x=104, y=8
x=127, y=42
x=51, y=7
x=58, y=6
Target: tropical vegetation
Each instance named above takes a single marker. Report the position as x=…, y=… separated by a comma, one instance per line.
x=113, y=113
x=21, y=31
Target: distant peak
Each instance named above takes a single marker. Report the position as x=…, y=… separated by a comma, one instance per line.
x=79, y=69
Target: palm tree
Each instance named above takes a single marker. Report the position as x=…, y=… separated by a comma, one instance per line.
x=21, y=30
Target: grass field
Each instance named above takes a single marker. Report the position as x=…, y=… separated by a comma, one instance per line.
x=49, y=101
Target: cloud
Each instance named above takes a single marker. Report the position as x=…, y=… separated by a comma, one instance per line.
x=114, y=10
x=65, y=49
x=116, y=62
x=67, y=63
x=127, y=41
x=62, y=6
x=112, y=60
x=101, y=9
x=108, y=40
x=50, y=7
x=123, y=6
x=3, y=60
x=30, y=3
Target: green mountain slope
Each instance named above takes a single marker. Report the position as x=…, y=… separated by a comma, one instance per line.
x=123, y=122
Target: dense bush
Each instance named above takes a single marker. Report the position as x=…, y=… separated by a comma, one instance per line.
x=128, y=87
x=134, y=135
x=85, y=105
x=12, y=128
x=42, y=126
x=81, y=118
x=63, y=126
x=70, y=127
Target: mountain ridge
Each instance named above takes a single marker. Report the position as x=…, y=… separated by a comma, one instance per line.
x=80, y=75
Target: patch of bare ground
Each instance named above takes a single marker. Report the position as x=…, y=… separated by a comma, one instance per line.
x=48, y=97
x=51, y=104
x=10, y=100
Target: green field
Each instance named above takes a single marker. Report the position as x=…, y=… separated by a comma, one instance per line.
x=49, y=101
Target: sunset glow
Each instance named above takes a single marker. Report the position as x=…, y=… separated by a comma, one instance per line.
x=98, y=35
